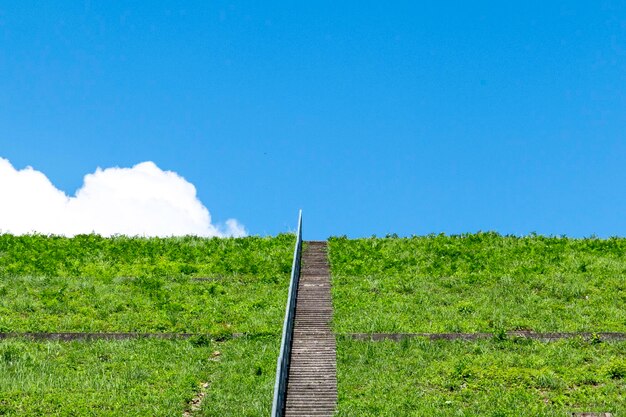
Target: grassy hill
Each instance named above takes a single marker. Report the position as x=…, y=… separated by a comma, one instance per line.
x=478, y=283
x=214, y=287
x=220, y=288
x=481, y=282
x=517, y=377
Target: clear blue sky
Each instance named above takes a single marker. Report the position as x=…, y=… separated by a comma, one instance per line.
x=374, y=117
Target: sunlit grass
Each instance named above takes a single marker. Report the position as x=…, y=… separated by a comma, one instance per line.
x=482, y=378
x=164, y=285
x=135, y=377
x=243, y=383
x=93, y=284
x=231, y=305
x=481, y=282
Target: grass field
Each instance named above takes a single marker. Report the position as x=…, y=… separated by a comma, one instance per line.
x=217, y=287
x=234, y=304
x=214, y=287
x=136, y=377
x=520, y=378
x=92, y=284
x=480, y=282
x=120, y=256
x=243, y=383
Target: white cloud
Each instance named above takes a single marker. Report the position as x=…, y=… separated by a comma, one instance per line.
x=142, y=200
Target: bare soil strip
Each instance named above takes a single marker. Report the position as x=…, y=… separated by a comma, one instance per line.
x=545, y=337
x=69, y=336
x=591, y=415
x=196, y=402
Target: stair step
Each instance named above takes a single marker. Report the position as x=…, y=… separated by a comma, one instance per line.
x=312, y=380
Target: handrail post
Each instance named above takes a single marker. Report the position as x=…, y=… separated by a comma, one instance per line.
x=282, y=365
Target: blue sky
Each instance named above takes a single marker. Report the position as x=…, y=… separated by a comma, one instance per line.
x=372, y=117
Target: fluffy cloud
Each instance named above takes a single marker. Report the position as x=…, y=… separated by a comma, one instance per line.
x=142, y=200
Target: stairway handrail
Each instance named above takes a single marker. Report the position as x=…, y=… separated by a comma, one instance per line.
x=282, y=365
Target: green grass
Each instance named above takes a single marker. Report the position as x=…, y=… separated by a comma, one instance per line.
x=93, y=284
x=121, y=284
x=483, y=378
x=478, y=282
x=242, y=385
x=136, y=377
x=232, y=305
x=94, y=256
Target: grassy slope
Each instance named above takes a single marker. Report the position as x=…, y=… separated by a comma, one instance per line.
x=135, y=377
x=485, y=378
x=480, y=282
x=89, y=283
x=243, y=384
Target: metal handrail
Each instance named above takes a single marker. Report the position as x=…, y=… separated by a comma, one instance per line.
x=282, y=366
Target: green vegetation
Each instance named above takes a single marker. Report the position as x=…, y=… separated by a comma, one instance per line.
x=94, y=284
x=516, y=377
x=136, y=377
x=488, y=283
x=98, y=257
x=213, y=287
x=243, y=383
x=478, y=282
x=218, y=287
